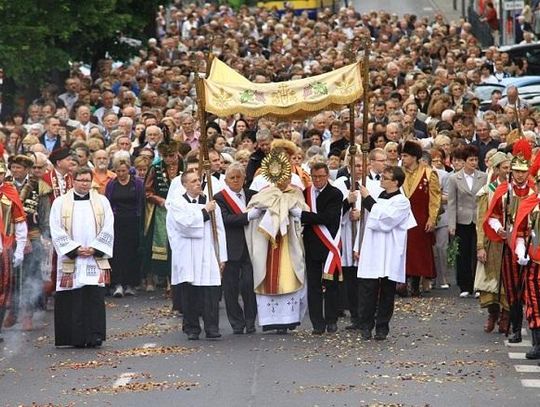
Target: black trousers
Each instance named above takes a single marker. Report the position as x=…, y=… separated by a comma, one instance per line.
x=238, y=279
x=375, y=303
x=351, y=289
x=466, y=259
x=79, y=316
x=125, y=262
x=319, y=300
x=200, y=300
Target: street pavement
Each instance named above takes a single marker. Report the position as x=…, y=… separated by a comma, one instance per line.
x=436, y=355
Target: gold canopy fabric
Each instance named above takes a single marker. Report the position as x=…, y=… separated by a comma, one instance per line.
x=227, y=92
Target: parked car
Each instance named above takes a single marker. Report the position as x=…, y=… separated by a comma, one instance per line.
x=528, y=87
x=530, y=52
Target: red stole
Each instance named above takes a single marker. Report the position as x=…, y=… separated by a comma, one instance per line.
x=333, y=260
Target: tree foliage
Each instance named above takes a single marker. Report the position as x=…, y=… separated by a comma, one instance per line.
x=39, y=36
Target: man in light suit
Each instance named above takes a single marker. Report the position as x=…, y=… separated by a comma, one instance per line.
x=462, y=188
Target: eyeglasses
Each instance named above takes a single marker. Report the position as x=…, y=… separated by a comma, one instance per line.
x=38, y=167
x=83, y=181
x=387, y=178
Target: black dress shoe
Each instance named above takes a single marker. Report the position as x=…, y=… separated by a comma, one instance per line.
x=317, y=331
x=193, y=337
x=281, y=331
x=96, y=344
x=352, y=327
x=251, y=330
x=380, y=336
x=331, y=328
x=213, y=335
x=238, y=331
x=515, y=337
x=365, y=334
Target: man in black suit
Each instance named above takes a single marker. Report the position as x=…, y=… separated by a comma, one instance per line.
x=321, y=240
x=238, y=273
x=51, y=138
x=411, y=109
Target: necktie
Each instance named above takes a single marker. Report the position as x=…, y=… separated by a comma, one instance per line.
x=193, y=201
x=317, y=192
x=378, y=177
x=240, y=196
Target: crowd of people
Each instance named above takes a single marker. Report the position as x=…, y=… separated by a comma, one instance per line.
x=124, y=144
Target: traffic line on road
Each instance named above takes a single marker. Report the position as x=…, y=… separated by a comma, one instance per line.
x=527, y=368
x=517, y=355
x=124, y=379
x=149, y=345
x=535, y=383
x=524, y=343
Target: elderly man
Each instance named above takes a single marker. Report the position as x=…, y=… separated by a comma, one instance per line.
x=101, y=175
x=238, y=272
x=483, y=142
x=71, y=95
x=83, y=117
x=82, y=233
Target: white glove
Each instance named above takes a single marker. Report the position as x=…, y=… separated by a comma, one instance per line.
x=18, y=257
x=296, y=212
x=255, y=213
x=520, y=252
x=523, y=261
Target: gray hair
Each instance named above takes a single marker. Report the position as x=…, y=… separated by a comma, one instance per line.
x=235, y=167
x=120, y=156
x=264, y=135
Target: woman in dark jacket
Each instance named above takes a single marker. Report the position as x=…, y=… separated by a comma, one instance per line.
x=126, y=195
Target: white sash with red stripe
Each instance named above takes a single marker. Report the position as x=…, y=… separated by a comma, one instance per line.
x=237, y=205
x=333, y=261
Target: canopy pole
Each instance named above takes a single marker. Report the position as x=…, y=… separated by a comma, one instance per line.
x=366, y=43
x=204, y=160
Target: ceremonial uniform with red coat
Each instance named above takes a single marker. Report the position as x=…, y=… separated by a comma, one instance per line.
x=501, y=214
x=526, y=245
x=59, y=184
x=13, y=237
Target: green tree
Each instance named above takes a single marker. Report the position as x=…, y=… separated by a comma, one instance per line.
x=41, y=36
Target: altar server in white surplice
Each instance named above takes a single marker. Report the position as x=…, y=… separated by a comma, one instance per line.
x=382, y=252
x=195, y=263
x=82, y=231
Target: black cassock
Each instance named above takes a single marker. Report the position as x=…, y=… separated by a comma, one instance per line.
x=79, y=317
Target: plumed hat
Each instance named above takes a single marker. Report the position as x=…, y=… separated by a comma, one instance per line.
x=535, y=168
x=522, y=152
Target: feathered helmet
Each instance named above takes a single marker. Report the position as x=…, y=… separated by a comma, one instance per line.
x=522, y=152
x=534, y=171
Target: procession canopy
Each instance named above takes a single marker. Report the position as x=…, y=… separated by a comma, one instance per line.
x=227, y=92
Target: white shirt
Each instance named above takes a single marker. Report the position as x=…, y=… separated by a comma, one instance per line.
x=469, y=178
